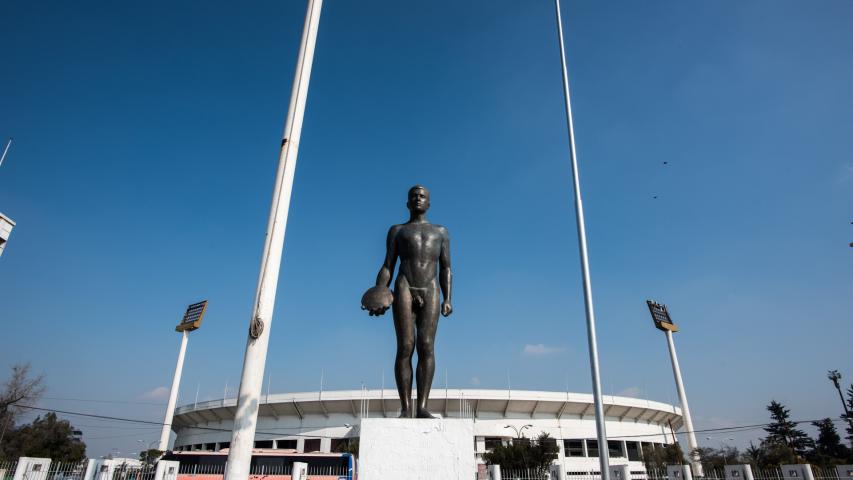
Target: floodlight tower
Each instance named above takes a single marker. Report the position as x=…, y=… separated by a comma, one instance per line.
x=6, y=223
x=190, y=322
x=834, y=377
x=663, y=322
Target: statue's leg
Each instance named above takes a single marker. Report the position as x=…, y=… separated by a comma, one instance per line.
x=427, y=323
x=405, y=328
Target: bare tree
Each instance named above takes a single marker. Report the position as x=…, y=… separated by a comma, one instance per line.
x=20, y=390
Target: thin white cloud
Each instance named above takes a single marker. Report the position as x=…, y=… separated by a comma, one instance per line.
x=475, y=380
x=629, y=392
x=540, y=349
x=846, y=174
x=159, y=393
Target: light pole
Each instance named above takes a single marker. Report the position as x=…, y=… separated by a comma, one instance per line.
x=591, y=336
x=723, y=446
x=257, y=343
x=6, y=223
x=834, y=376
x=5, y=150
x=519, y=430
x=190, y=322
x=663, y=322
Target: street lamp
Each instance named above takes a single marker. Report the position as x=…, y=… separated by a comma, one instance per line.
x=663, y=322
x=189, y=323
x=723, y=446
x=835, y=376
x=519, y=430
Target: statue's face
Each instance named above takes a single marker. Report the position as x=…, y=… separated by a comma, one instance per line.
x=418, y=200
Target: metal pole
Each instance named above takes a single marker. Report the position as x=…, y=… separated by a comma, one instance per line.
x=685, y=410
x=254, y=362
x=834, y=376
x=5, y=150
x=173, y=394
x=846, y=410
x=603, y=453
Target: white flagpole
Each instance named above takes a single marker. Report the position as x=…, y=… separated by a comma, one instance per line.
x=603, y=452
x=251, y=381
x=5, y=150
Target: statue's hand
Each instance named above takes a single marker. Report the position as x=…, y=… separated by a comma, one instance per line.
x=376, y=311
x=446, y=308
x=377, y=300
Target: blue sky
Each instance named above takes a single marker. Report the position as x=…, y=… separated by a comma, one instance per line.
x=146, y=140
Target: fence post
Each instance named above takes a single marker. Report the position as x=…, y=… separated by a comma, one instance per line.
x=844, y=471
x=620, y=472
x=739, y=472
x=494, y=472
x=31, y=468
x=797, y=472
x=680, y=472
x=300, y=471
x=167, y=470
x=556, y=470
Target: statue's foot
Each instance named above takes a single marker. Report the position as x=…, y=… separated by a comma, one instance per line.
x=424, y=414
x=405, y=414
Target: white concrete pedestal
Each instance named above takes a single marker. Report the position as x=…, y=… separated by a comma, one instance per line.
x=416, y=449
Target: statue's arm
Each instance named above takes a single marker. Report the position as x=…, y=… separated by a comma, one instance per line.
x=386, y=273
x=445, y=275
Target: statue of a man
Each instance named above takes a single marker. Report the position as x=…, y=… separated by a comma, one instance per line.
x=424, y=253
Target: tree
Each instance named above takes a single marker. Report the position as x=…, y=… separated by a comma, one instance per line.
x=849, y=419
x=20, y=390
x=785, y=432
x=768, y=454
x=536, y=454
x=776, y=454
x=47, y=437
x=658, y=458
x=828, y=449
x=754, y=455
x=150, y=456
x=349, y=446
x=718, y=458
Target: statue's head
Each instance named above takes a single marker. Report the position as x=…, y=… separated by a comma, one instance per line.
x=418, y=199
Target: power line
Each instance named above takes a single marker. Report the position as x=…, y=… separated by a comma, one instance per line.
x=736, y=428
x=103, y=401
x=149, y=422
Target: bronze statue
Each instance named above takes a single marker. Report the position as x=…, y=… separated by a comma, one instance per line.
x=424, y=252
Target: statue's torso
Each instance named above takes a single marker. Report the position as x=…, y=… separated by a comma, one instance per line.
x=419, y=247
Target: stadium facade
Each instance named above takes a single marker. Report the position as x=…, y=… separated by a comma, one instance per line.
x=323, y=421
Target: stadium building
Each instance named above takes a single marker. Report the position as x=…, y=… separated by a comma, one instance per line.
x=324, y=421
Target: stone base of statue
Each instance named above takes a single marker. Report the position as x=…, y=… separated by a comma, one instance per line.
x=415, y=449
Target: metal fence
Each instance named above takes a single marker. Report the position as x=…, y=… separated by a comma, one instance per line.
x=77, y=471
x=523, y=474
x=128, y=472
x=263, y=470
x=66, y=470
x=820, y=473
x=7, y=469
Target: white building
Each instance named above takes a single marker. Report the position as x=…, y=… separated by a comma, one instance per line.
x=321, y=421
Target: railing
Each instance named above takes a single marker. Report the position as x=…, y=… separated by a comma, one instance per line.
x=7, y=469
x=523, y=474
x=130, y=472
x=263, y=470
x=820, y=473
x=66, y=470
